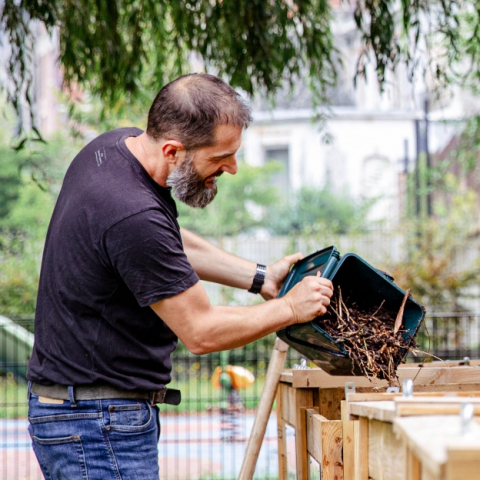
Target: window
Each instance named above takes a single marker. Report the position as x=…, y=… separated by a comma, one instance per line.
x=281, y=178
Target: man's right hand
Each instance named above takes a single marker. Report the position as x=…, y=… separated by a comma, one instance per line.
x=309, y=298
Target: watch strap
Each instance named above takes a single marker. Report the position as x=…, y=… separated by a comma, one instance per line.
x=258, y=279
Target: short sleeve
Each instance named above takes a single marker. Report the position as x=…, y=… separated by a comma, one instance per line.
x=146, y=251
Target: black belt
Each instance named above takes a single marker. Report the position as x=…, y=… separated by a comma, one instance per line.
x=104, y=392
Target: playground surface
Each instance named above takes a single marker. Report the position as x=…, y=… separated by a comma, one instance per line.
x=190, y=447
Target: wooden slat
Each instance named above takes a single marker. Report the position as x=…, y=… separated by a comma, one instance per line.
x=383, y=411
x=412, y=465
x=430, y=437
x=324, y=444
x=282, y=435
x=420, y=399
x=360, y=430
x=386, y=455
x=433, y=405
x=463, y=463
x=303, y=400
x=380, y=397
x=329, y=402
x=348, y=436
x=314, y=434
x=422, y=410
x=317, y=377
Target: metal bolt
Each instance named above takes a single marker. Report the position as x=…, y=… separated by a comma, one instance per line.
x=407, y=388
x=466, y=415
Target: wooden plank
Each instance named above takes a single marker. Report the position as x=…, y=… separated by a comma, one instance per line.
x=329, y=402
x=314, y=434
x=434, y=405
x=332, y=458
x=281, y=435
x=386, y=455
x=303, y=400
x=430, y=437
x=318, y=378
x=463, y=463
x=348, y=444
x=360, y=430
x=444, y=400
x=383, y=396
x=450, y=363
x=448, y=387
x=288, y=403
x=412, y=465
x=324, y=444
x=383, y=411
x=287, y=376
x=422, y=410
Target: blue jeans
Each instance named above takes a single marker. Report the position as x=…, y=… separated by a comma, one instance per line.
x=96, y=439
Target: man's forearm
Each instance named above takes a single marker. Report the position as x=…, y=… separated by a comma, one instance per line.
x=205, y=328
x=216, y=265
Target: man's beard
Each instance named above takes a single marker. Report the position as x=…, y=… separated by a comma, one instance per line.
x=189, y=187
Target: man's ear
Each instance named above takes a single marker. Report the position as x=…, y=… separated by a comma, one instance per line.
x=173, y=151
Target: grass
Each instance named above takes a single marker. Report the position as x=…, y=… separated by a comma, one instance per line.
x=13, y=398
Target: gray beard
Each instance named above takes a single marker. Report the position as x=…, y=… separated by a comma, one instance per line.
x=188, y=186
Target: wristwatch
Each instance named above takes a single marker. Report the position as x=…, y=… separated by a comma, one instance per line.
x=258, y=279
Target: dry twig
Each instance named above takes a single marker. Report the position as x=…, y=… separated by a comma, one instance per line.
x=371, y=336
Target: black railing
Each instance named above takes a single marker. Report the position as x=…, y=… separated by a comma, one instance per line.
x=204, y=437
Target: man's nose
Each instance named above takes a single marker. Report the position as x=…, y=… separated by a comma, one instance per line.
x=230, y=166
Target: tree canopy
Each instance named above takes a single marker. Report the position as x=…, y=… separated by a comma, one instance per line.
x=119, y=49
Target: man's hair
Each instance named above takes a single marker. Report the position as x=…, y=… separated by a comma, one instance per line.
x=189, y=108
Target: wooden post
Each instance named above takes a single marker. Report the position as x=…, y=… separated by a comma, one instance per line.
x=264, y=408
x=348, y=444
x=361, y=449
x=324, y=444
x=413, y=468
x=282, y=435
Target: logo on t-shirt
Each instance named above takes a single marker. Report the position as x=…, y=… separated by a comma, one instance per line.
x=100, y=156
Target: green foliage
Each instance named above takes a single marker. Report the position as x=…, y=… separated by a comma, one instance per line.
x=25, y=215
x=435, y=269
x=237, y=207
x=119, y=49
x=439, y=39
x=316, y=209
x=9, y=180
x=123, y=50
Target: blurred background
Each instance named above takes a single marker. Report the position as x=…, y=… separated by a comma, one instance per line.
x=365, y=135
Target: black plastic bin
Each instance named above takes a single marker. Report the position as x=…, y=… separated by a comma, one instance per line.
x=361, y=283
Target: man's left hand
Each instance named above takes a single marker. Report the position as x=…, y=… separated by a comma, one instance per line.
x=276, y=275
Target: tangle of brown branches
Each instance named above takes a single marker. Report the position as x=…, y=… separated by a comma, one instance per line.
x=373, y=337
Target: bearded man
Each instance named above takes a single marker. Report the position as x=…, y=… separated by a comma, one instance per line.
x=120, y=283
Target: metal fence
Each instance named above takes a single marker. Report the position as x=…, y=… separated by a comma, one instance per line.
x=205, y=437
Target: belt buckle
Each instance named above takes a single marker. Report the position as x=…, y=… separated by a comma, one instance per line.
x=158, y=396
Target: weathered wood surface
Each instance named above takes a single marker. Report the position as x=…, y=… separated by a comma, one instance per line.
x=318, y=378
x=372, y=397
x=383, y=411
x=386, y=455
x=348, y=435
x=432, y=438
x=324, y=444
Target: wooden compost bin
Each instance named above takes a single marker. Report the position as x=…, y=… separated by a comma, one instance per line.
x=326, y=437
